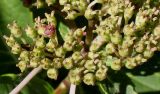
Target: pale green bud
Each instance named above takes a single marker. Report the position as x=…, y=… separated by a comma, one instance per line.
x=124, y=52
x=148, y=53
x=89, y=65
x=52, y=73
x=51, y=45
x=130, y=63
x=22, y=65
x=34, y=62
x=68, y=63
x=40, y=43
x=129, y=30
x=10, y=40
x=110, y=48
x=93, y=55
x=128, y=12
x=15, y=30
x=116, y=38
x=63, y=2
x=50, y=17
x=16, y=48
x=45, y=63
x=24, y=56
x=77, y=56
x=75, y=76
x=101, y=73
x=156, y=31
x=89, y=79
x=31, y=32
x=116, y=64
x=50, y=2
x=60, y=52
x=57, y=62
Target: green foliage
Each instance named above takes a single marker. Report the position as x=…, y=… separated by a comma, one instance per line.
x=9, y=81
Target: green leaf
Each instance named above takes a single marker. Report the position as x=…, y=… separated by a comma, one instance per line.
x=63, y=29
x=149, y=83
x=11, y=10
x=35, y=86
x=102, y=87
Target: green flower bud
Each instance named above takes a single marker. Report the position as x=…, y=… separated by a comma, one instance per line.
x=156, y=31
x=128, y=30
x=34, y=62
x=128, y=12
x=45, y=63
x=37, y=52
x=63, y=2
x=50, y=2
x=40, y=3
x=89, y=65
x=15, y=30
x=24, y=55
x=31, y=32
x=16, y=48
x=78, y=34
x=52, y=73
x=22, y=65
x=10, y=40
x=77, y=56
x=124, y=52
x=89, y=79
x=89, y=14
x=41, y=29
x=110, y=48
x=116, y=64
x=130, y=63
x=57, y=62
x=68, y=46
x=140, y=47
x=40, y=43
x=72, y=15
x=68, y=63
x=51, y=45
x=75, y=76
x=128, y=41
x=140, y=21
x=148, y=53
x=116, y=38
x=60, y=52
x=101, y=73
x=50, y=17
x=93, y=55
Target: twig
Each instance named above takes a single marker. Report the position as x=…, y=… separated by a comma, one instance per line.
x=72, y=89
x=18, y=88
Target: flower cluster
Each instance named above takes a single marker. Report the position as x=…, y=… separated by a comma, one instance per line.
x=124, y=36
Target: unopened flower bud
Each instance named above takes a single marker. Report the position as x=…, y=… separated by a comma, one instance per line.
x=93, y=55
x=77, y=56
x=40, y=3
x=57, y=62
x=116, y=38
x=24, y=56
x=16, y=48
x=15, y=30
x=130, y=63
x=156, y=31
x=45, y=63
x=31, y=32
x=63, y=2
x=116, y=64
x=10, y=40
x=75, y=76
x=89, y=79
x=129, y=30
x=124, y=52
x=50, y=2
x=89, y=65
x=128, y=12
x=68, y=63
x=148, y=53
x=101, y=73
x=60, y=52
x=22, y=65
x=110, y=48
x=52, y=73
x=34, y=62
x=51, y=45
x=40, y=43
x=78, y=34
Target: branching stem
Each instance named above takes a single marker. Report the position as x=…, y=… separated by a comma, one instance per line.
x=26, y=80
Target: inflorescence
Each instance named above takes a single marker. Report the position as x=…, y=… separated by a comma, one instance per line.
x=126, y=35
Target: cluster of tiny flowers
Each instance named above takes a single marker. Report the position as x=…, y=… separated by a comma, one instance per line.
x=119, y=40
